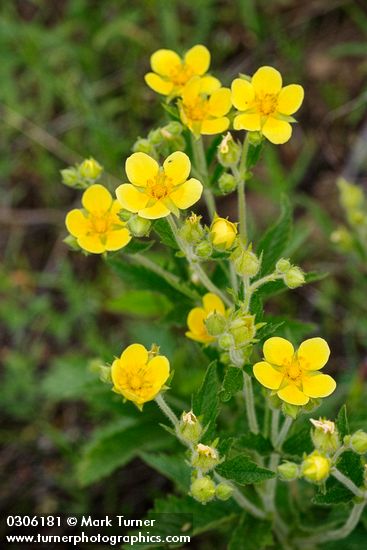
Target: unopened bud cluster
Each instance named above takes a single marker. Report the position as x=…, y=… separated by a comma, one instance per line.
x=204, y=240
x=325, y=436
x=82, y=175
x=292, y=275
x=245, y=261
x=161, y=141
x=229, y=151
x=357, y=442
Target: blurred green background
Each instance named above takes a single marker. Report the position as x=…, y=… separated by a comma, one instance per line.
x=72, y=86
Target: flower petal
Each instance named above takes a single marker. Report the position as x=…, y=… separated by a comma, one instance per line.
x=158, y=84
x=277, y=131
x=158, y=370
x=177, y=167
x=117, y=239
x=220, y=102
x=91, y=243
x=278, y=351
x=134, y=355
x=76, y=223
x=214, y=126
x=163, y=61
x=212, y=302
x=130, y=198
x=97, y=199
x=318, y=385
x=195, y=322
x=157, y=210
x=187, y=194
x=290, y=99
x=267, y=80
x=243, y=94
x=191, y=90
x=314, y=353
x=267, y=375
x=247, y=122
x=292, y=395
x=208, y=84
x=198, y=58
x=140, y=168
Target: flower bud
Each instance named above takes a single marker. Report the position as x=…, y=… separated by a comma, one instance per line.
x=156, y=137
x=255, y=138
x=204, y=249
x=358, y=442
x=125, y=215
x=316, y=467
x=139, y=227
x=71, y=178
x=290, y=410
x=203, y=489
x=72, y=243
x=174, y=127
x=243, y=330
x=294, y=277
x=227, y=183
x=90, y=169
x=357, y=217
x=143, y=145
x=229, y=151
x=282, y=266
x=192, y=231
x=288, y=471
x=351, y=196
x=325, y=436
x=223, y=491
x=226, y=341
x=215, y=324
x=104, y=371
x=222, y=233
x=245, y=262
x=342, y=238
x=204, y=458
x=190, y=427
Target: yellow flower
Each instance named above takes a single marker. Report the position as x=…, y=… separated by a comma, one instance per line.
x=138, y=377
x=171, y=72
x=294, y=375
x=264, y=106
x=195, y=319
x=204, y=105
x=155, y=192
x=223, y=233
x=98, y=228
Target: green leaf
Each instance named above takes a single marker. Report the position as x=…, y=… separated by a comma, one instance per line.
x=140, y=303
x=276, y=238
x=232, y=383
x=253, y=155
x=187, y=516
x=342, y=422
x=206, y=400
x=300, y=442
x=350, y=465
x=173, y=467
x=254, y=442
x=269, y=329
x=243, y=470
x=69, y=378
x=136, y=245
x=114, y=447
x=256, y=533
x=163, y=229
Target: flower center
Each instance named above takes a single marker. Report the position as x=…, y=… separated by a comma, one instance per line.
x=266, y=103
x=293, y=370
x=159, y=187
x=135, y=382
x=181, y=74
x=100, y=224
x=196, y=110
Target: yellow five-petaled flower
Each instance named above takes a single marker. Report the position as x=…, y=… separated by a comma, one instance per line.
x=264, y=106
x=195, y=319
x=138, y=377
x=294, y=375
x=171, y=72
x=98, y=228
x=204, y=105
x=154, y=191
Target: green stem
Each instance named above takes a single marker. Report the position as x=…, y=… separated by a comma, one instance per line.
x=250, y=404
x=283, y=432
x=166, y=275
x=336, y=534
x=275, y=414
x=195, y=265
x=348, y=483
x=242, y=218
x=270, y=486
x=166, y=409
x=202, y=169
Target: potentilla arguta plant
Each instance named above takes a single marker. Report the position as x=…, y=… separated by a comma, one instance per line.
x=250, y=449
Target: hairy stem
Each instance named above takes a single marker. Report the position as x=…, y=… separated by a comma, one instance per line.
x=242, y=500
x=241, y=190
x=348, y=483
x=166, y=409
x=250, y=404
x=275, y=414
x=283, y=432
x=202, y=170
